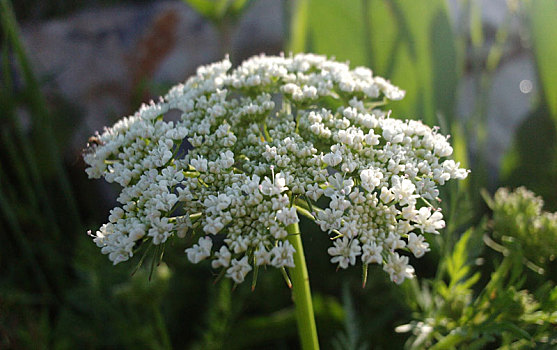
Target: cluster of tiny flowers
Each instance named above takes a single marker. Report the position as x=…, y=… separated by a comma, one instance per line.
x=257, y=145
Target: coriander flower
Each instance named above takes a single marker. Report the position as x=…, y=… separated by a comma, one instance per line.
x=258, y=144
x=345, y=251
x=398, y=268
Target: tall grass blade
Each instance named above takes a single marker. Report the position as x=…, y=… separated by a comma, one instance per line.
x=544, y=31
x=299, y=30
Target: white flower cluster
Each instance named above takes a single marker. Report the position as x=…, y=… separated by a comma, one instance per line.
x=256, y=145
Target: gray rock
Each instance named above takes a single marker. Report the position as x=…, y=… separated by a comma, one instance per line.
x=107, y=60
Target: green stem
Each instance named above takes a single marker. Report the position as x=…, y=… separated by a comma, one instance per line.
x=301, y=293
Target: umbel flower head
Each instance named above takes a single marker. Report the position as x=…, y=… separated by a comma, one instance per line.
x=259, y=144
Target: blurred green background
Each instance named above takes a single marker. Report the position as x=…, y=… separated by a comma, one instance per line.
x=486, y=284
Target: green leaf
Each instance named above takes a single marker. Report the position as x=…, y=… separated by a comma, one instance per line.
x=336, y=28
x=476, y=28
x=450, y=341
x=544, y=31
x=410, y=43
x=506, y=326
x=457, y=267
x=460, y=148
x=203, y=7
x=298, y=26
x=422, y=60
x=216, y=10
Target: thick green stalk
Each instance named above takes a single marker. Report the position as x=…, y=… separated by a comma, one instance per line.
x=301, y=293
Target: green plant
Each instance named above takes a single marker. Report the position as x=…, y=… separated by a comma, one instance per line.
x=460, y=310
x=223, y=14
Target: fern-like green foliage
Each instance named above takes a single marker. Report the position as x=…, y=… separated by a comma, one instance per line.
x=351, y=337
x=466, y=307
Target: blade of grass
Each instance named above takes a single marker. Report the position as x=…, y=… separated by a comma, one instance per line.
x=297, y=42
x=21, y=240
x=23, y=177
x=39, y=112
x=410, y=43
x=335, y=28
x=544, y=31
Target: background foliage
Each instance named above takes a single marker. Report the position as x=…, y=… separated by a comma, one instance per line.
x=488, y=283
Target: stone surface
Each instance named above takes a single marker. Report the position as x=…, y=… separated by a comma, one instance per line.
x=106, y=61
